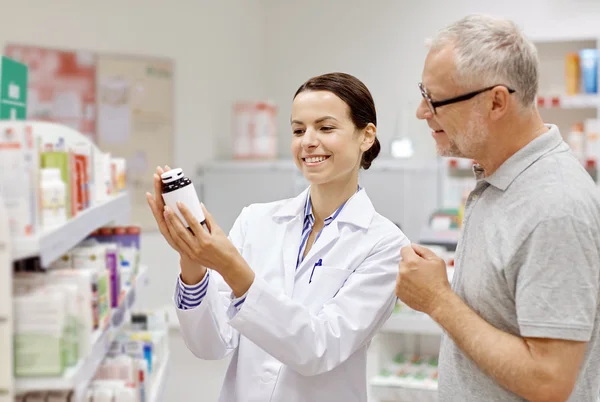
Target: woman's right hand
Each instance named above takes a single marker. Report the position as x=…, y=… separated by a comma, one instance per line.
x=157, y=206
x=191, y=273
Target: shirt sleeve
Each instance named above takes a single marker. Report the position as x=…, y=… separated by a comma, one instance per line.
x=191, y=296
x=558, y=280
x=239, y=301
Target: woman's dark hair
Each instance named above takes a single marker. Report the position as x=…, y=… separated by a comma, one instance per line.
x=358, y=98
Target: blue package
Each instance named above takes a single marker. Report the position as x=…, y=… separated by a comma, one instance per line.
x=148, y=355
x=589, y=70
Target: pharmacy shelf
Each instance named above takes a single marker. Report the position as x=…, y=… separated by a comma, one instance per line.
x=78, y=378
x=159, y=383
x=580, y=101
x=55, y=242
x=399, y=390
x=411, y=323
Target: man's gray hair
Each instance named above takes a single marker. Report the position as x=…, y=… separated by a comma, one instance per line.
x=491, y=51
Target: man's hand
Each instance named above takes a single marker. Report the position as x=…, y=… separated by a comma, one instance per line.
x=422, y=280
x=534, y=369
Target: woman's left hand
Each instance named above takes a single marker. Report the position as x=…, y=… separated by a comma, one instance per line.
x=212, y=250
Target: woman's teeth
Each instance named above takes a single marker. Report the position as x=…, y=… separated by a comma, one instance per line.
x=315, y=159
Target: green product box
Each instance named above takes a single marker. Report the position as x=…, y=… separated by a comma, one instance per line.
x=38, y=355
x=13, y=89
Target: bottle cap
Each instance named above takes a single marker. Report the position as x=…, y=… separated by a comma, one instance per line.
x=106, y=231
x=172, y=175
x=119, y=230
x=134, y=230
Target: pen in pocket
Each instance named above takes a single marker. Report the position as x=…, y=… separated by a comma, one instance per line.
x=317, y=264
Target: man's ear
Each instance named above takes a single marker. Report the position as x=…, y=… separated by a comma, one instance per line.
x=501, y=99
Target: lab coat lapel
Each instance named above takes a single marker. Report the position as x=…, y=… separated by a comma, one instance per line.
x=291, y=214
x=291, y=244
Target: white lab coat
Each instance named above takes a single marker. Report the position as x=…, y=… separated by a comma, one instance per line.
x=293, y=341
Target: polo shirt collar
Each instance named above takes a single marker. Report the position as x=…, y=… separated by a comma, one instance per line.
x=522, y=159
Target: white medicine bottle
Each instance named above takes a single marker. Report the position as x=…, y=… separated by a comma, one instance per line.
x=53, y=198
x=176, y=187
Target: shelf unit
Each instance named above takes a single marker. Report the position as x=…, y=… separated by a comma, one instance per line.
x=79, y=377
x=53, y=243
x=48, y=246
x=555, y=105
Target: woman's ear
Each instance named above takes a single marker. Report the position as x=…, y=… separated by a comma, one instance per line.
x=368, y=137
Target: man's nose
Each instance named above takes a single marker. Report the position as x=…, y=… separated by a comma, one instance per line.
x=423, y=112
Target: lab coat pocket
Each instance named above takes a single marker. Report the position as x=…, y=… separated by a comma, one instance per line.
x=324, y=284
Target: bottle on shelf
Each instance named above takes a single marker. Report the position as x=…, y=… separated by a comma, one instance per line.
x=572, y=73
x=53, y=198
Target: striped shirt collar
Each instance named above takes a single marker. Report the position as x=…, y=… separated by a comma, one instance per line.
x=358, y=211
x=309, y=221
x=308, y=210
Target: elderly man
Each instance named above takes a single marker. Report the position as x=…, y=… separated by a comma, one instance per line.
x=521, y=318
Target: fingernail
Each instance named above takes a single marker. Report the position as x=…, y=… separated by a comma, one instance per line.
x=179, y=204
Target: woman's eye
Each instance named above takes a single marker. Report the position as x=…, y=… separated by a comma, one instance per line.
x=298, y=132
x=326, y=128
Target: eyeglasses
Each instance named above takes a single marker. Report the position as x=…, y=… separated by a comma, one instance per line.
x=435, y=104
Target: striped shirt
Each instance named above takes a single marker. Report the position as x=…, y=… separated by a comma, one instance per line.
x=309, y=222
x=189, y=297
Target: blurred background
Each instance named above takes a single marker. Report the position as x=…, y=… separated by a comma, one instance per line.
x=123, y=86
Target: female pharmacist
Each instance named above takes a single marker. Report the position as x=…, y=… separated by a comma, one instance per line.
x=300, y=286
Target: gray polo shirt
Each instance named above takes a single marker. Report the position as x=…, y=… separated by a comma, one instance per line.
x=528, y=262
